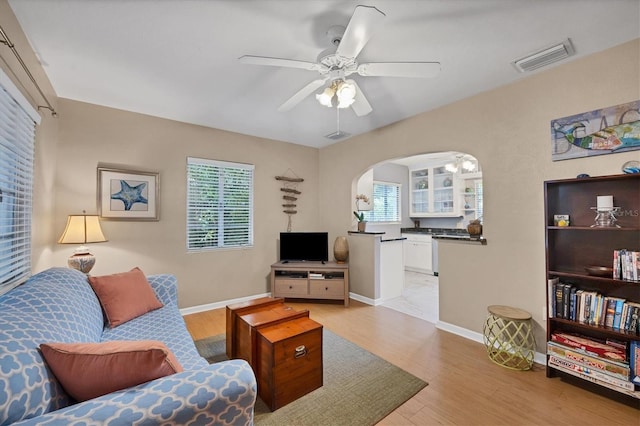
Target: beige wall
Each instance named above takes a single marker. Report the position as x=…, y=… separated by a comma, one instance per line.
x=507, y=129
x=46, y=133
x=91, y=134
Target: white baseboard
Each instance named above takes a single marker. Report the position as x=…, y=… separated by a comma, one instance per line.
x=368, y=301
x=467, y=334
x=538, y=358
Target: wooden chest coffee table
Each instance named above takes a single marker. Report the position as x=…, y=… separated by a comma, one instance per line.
x=233, y=313
x=289, y=356
x=248, y=326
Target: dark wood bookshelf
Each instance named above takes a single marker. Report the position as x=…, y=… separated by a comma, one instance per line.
x=570, y=250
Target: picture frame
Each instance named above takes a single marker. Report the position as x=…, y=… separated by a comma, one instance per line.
x=600, y=132
x=128, y=195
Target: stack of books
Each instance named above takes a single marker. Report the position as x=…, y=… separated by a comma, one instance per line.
x=626, y=265
x=605, y=363
x=590, y=307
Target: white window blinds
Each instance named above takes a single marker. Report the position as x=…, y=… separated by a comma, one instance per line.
x=386, y=203
x=17, y=135
x=219, y=204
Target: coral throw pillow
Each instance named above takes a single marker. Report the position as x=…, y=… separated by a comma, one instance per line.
x=124, y=296
x=89, y=370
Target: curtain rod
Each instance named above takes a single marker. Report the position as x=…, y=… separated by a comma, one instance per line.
x=11, y=46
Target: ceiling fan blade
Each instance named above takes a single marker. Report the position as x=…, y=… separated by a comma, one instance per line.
x=302, y=93
x=360, y=105
x=365, y=20
x=400, y=69
x=278, y=62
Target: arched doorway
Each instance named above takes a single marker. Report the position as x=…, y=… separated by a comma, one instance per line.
x=438, y=193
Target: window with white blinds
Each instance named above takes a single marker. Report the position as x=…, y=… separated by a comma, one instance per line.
x=219, y=204
x=386, y=203
x=17, y=135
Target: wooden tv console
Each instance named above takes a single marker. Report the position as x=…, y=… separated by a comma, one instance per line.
x=311, y=280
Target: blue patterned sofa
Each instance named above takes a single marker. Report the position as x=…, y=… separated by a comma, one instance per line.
x=59, y=305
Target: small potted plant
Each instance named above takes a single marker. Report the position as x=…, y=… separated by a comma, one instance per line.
x=362, y=224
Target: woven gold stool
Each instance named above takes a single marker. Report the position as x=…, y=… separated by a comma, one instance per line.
x=508, y=336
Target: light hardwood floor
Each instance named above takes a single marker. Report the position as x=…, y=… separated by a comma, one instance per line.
x=465, y=387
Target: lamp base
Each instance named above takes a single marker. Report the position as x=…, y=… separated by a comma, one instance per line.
x=82, y=262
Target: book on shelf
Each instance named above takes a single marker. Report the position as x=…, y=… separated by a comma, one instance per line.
x=618, y=314
x=573, y=298
x=632, y=319
x=566, y=301
x=616, y=369
x=634, y=361
x=557, y=294
x=551, y=288
x=611, y=311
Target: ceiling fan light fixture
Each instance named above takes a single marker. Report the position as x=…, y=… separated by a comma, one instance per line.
x=346, y=94
x=451, y=167
x=325, y=98
x=468, y=165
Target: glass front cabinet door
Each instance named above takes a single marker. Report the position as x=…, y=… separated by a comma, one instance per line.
x=419, y=181
x=433, y=193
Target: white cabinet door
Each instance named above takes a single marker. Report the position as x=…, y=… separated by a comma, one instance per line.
x=417, y=253
x=419, y=192
x=433, y=192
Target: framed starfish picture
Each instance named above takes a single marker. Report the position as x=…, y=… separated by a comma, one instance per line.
x=128, y=194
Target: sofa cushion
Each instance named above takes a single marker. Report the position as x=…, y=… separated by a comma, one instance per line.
x=124, y=296
x=89, y=370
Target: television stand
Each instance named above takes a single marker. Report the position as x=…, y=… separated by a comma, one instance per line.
x=310, y=280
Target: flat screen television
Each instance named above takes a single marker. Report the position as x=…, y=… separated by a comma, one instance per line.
x=304, y=246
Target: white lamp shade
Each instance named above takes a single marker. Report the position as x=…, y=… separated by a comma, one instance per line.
x=82, y=229
x=325, y=97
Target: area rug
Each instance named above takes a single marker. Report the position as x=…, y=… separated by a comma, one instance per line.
x=359, y=387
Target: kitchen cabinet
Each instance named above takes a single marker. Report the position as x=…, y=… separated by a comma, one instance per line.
x=434, y=193
x=417, y=252
x=471, y=197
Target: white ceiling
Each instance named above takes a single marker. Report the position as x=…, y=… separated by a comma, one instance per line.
x=177, y=59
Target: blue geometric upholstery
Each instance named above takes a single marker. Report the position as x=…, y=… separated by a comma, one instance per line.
x=164, y=324
x=58, y=305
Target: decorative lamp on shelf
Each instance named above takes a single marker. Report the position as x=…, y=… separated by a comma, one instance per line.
x=82, y=229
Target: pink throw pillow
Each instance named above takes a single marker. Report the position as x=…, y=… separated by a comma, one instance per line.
x=89, y=370
x=124, y=296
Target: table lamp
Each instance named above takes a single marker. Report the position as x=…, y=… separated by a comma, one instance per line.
x=82, y=229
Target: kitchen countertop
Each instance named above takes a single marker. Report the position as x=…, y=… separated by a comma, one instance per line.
x=446, y=234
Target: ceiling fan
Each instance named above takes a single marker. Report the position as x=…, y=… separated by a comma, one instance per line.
x=339, y=61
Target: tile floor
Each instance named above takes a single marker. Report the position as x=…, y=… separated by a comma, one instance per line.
x=419, y=297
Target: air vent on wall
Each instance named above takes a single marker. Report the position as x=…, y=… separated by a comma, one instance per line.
x=337, y=135
x=545, y=57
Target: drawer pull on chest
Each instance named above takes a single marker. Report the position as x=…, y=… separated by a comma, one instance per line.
x=300, y=351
